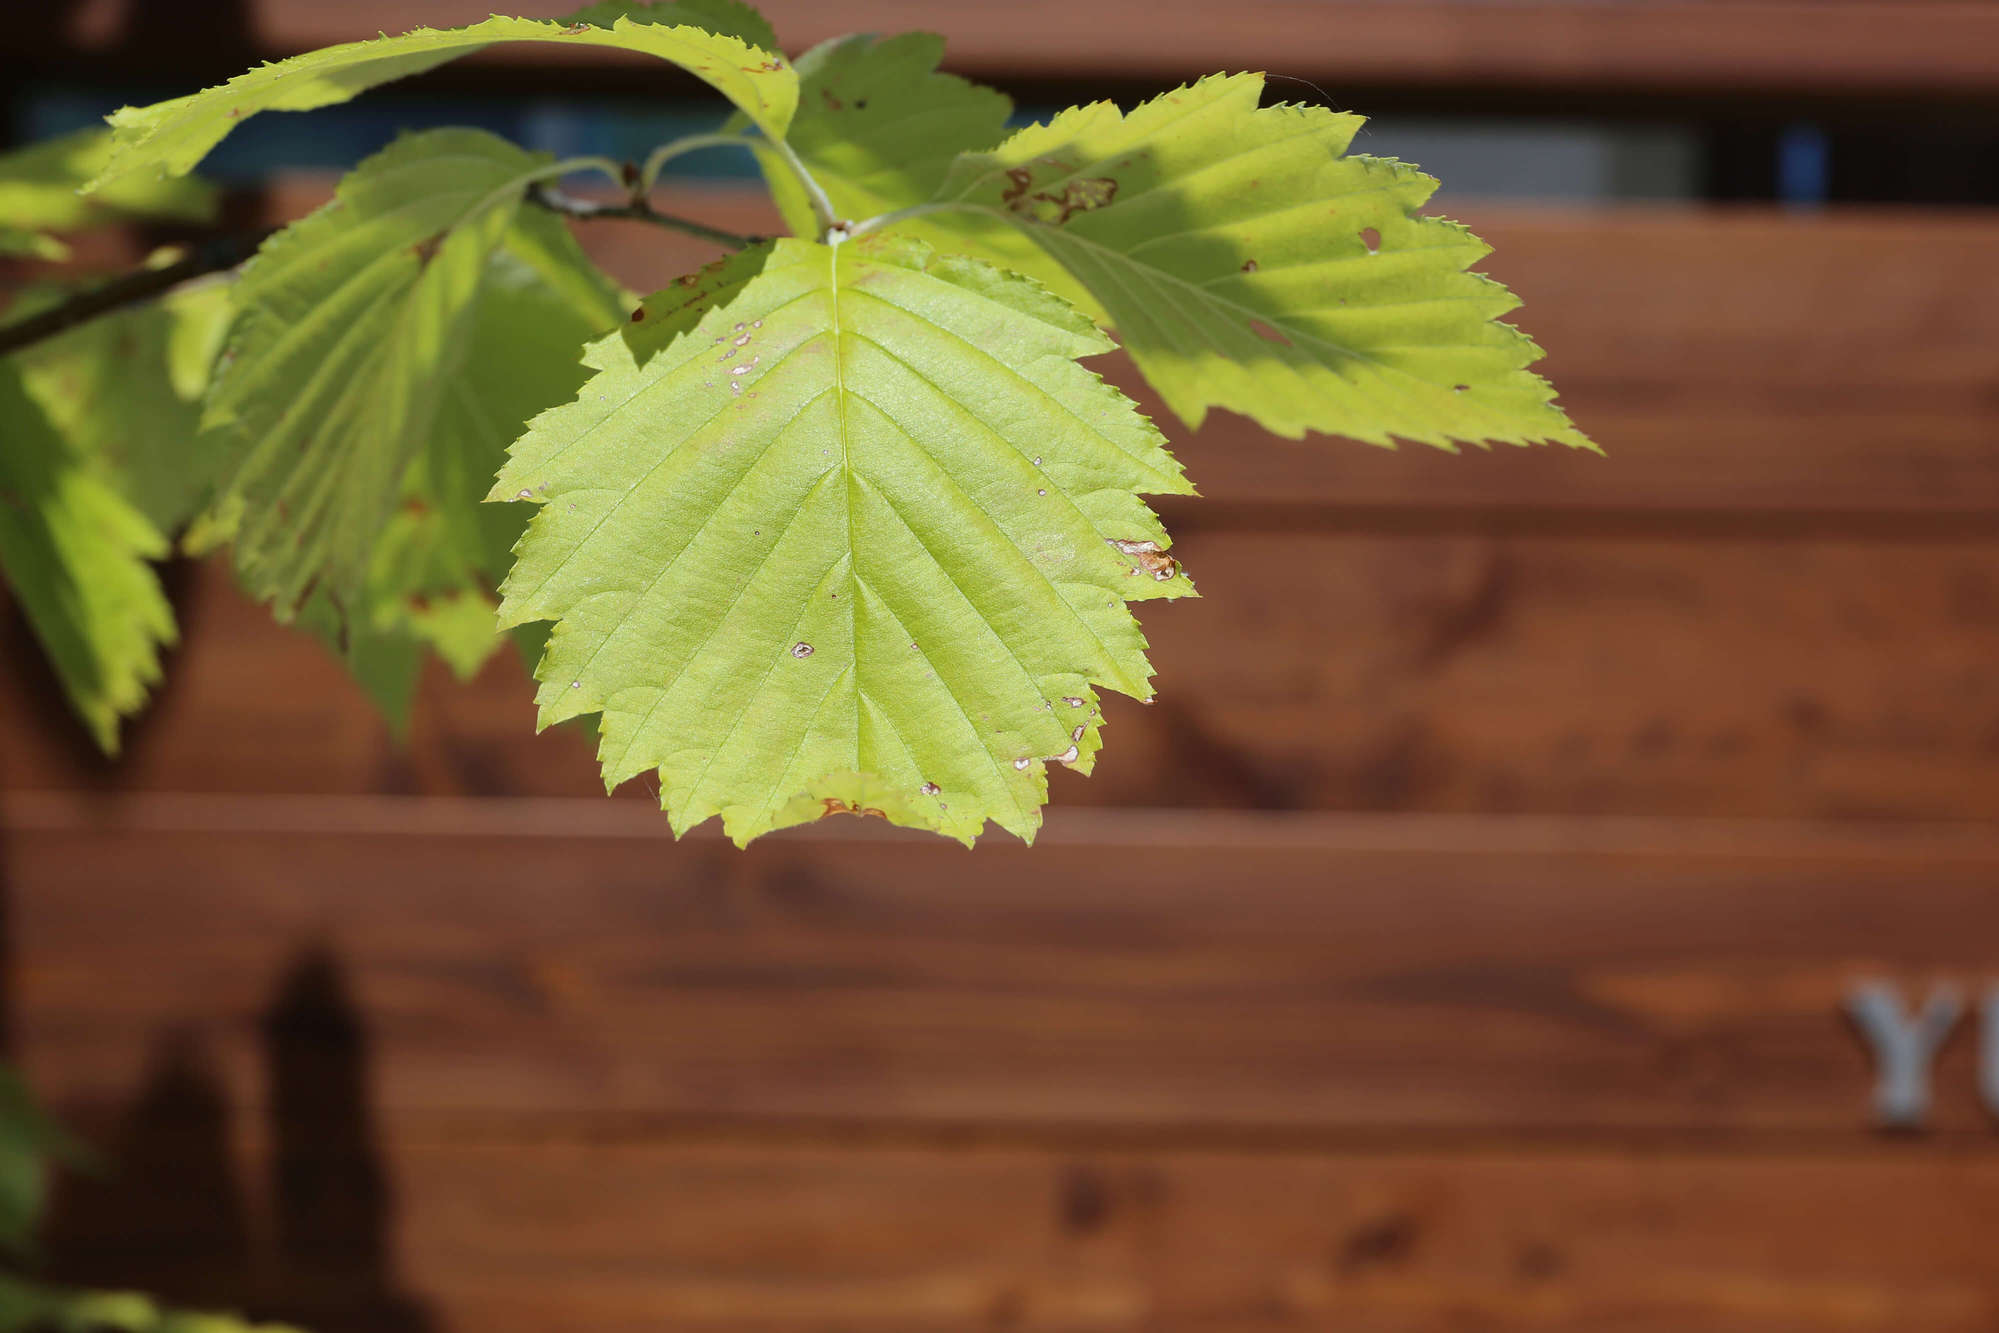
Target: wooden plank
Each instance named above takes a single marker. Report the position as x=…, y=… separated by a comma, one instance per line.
x=627, y=1238
x=756, y=1238
x=1167, y=980
x=1323, y=668
x=1932, y=48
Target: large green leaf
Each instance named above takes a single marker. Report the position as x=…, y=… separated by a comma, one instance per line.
x=75, y=554
x=1247, y=264
x=354, y=323
x=443, y=551
x=173, y=136
x=125, y=389
x=879, y=127
x=843, y=528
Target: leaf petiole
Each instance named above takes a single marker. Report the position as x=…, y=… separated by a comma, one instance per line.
x=830, y=229
x=656, y=160
x=881, y=220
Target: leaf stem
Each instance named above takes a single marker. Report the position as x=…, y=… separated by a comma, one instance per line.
x=822, y=207
x=881, y=220
x=211, y=256
x=666, y=152
x=638, y=207
x=220, y=253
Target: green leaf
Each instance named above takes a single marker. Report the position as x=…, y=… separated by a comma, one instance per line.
x=439, y=557
x=75, y=554
x=353, y=325
x=39, y=184
x=32, y=1307
x=19, y=242
x=30, y=1142
x=173, y=136
x=1247, y=264
x=731, y=18
x=879, y=127
x=833, y=529
x=125, y=389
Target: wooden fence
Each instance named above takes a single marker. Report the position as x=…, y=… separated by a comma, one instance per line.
x=1459, y=943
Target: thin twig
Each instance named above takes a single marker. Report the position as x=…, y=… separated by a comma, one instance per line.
x=226, y=252
x=211, y=256
x=639, y=209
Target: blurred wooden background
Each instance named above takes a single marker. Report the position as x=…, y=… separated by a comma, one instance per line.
x=1459, y=943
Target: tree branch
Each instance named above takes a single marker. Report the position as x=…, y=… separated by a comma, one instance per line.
x=226, y=252
x=212, y=256
x=638, y=208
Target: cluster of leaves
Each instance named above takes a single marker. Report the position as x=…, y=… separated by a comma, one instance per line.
x=838, y=523
x=30, y=1145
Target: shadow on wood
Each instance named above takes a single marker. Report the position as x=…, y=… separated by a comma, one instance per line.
x=177, y=1212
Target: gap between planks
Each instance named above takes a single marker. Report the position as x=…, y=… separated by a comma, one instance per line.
x=595, y=818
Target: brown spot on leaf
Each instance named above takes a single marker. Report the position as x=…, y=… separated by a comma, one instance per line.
x=425, y=250
x=833, y=103
x=835, y=806
x=1270, y=333
x=576, y=30
x=1056, y=207
x=1022, y=178
x=639, y=315
x=1370, y=238
x=1249, y=266
x=768, y=67
x=1150, y=556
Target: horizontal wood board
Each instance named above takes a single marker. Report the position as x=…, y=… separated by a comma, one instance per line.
x=1844, y=47
x=544, y=963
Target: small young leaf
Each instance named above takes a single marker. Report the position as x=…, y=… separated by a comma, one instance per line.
x=353, y=325
x=18, y=242
x=173, y=136
x=33, y=1307
x=878, y=126
x=1247, y=264
x=843, y=528
x=75, y=554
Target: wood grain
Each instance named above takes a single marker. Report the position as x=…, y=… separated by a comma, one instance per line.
x=1645, y=673
x=761, y=1235
x=1849, y=47
x=625, y=1238
x=1171, y=980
